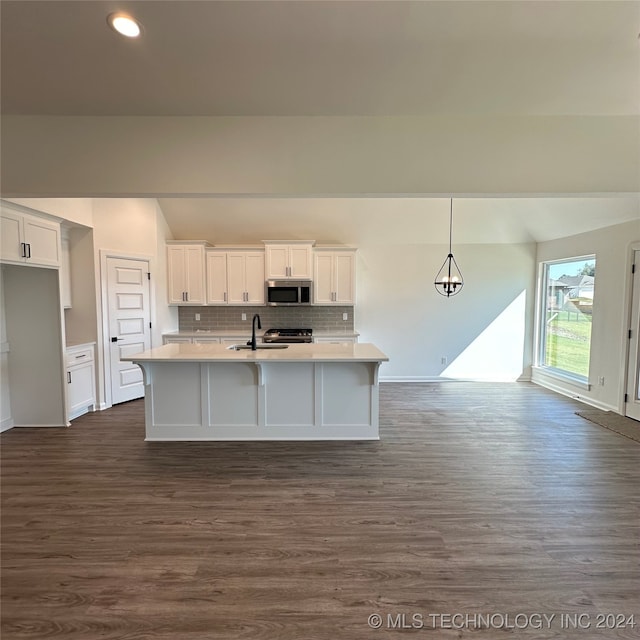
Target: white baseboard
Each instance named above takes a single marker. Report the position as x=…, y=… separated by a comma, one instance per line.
x=547, y=384
x=411, y=379
x=6, y=424
x=441, y=379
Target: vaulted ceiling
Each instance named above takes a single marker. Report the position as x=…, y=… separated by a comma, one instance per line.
x=306, y=58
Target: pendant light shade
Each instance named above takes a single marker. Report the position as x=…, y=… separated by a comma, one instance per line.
x=449, y=280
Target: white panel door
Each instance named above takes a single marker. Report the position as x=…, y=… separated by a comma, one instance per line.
x=632, y=405
x=323, y=281
x=43, y=238
x=177, y=274
x=195, y=274
x=254, y=277
x=300, y=262
x=277, y=259
x=216, y=277
x=235, y=279
x=129, y=318
x=11, y=232
x=343, y=278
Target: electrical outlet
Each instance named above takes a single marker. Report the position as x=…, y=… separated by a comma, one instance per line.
x=345, y=316
x=197, y=317
x=244, y=316
x=601, y=381
x=443, y=360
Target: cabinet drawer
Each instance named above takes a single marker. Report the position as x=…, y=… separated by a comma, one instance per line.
x=79, y=356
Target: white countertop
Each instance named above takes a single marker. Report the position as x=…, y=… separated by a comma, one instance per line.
x=184, y=352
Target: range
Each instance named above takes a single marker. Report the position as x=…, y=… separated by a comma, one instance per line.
x=288, y=335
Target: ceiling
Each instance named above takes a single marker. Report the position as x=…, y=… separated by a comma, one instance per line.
x=271, y=57
x=337, y=58
x=365, y=221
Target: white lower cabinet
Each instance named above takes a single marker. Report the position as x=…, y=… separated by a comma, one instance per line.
x=336, y=340
x=197, y=340
x=81, y=385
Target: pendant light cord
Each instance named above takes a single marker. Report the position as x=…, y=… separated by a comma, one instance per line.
x=450, y=224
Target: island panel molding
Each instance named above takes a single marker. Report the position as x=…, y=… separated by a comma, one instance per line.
x=303, y=392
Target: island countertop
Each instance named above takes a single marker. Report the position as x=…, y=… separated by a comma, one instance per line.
x=185, y=352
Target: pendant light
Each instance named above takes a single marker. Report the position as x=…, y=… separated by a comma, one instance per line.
x=449, y=280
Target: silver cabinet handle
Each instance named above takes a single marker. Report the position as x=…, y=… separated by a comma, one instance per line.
x=224, y=296
x=84, y=355
x=68, y=377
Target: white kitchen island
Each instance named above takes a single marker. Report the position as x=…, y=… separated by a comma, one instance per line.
x=303, y=392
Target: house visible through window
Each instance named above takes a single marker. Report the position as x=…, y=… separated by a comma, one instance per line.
x=565, y=334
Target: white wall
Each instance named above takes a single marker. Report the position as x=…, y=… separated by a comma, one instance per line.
x=132, y=227
x=610, y=314
x=81, y=321
x=6, y=420
x=484, y=332
x=142, y=156
x=34, y=332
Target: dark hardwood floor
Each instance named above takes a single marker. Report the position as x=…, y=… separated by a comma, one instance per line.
x=486, y=500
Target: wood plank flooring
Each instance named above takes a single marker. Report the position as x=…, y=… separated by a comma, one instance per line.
x=480, y=500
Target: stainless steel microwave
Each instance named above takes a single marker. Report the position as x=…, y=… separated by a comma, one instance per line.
x=288, y=292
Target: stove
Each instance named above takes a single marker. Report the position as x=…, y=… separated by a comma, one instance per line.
x=288, y=335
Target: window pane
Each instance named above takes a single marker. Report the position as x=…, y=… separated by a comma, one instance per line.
x=569, y=306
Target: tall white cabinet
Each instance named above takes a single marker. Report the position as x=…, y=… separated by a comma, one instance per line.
x=186, y=273
x=334, y=276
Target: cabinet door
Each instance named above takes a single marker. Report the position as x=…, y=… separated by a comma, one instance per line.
x=235, y=278
x=323, y=280
x=206, y=341
x=343, y=277
x=176, y=340
x=43, y=241
x=299, y=262
x=216, y=278
x=254, y=277
x=277, y=261
x=81, y=389
x=194, y=259
x=65, y=275
x=11, y=237
x=177, y=275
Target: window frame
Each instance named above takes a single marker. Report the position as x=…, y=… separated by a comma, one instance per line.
x=541, y=324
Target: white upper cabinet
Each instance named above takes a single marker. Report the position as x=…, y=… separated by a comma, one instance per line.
x=28, y=239
x=289, y=260
x=235, y=277
x=186, y=273
x=334, y=276
x=216, y=277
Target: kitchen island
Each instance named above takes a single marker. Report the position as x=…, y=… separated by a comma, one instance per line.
x=301, y=392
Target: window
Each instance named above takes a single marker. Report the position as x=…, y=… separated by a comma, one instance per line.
x=566, y=313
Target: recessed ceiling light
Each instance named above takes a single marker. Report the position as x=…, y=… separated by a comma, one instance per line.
x=124, y=24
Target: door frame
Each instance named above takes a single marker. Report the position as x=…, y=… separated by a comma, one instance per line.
x=104, y=352
x=628, y=298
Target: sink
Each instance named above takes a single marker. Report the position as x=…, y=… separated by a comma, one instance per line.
x=247, y=347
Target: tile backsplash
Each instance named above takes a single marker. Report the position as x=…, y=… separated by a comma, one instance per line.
x=230, y=318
